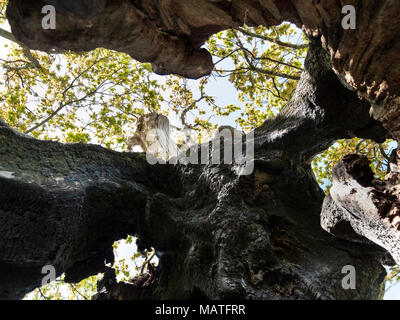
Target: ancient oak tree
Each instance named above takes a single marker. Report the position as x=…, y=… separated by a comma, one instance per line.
x=219, y=235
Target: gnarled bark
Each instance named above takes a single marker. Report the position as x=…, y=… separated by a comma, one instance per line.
x=170, y=33
x=219, y=234
x=65, y=205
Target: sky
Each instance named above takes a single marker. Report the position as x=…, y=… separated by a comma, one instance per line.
x=225, y=94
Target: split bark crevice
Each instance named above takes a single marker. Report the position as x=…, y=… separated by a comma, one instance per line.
x=370, y=206
x=219, y=235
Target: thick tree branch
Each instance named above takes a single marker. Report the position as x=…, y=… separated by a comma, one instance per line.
x=321, y=111
x=65, y=205
x=369, y=207
x=224, y=234
x=171, y=38
x=220, y=235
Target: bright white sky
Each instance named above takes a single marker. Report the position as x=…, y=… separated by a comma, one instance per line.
x=225, y=94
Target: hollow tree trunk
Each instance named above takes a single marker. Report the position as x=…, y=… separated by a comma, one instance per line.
x=220, y=235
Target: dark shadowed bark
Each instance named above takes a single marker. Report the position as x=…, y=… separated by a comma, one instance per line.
x=219, y=235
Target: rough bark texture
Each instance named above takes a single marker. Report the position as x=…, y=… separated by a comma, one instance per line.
x=170, y=33
x=370, y=206
x=219, y=235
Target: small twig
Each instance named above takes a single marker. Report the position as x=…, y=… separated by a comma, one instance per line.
x=74, y=289
x=270, y=39
x=382, y=151
x=42, y=295
x=359, y=145
x=146, y=263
